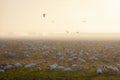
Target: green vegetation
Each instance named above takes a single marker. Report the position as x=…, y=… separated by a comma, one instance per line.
x=32, y=74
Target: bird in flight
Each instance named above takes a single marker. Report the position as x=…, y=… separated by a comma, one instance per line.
x=44, y=15
x=84, y=21
x=67, y=32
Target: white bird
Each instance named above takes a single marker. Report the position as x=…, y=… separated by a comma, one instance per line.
x=76, y=67
x=81, y=60
x=81, y=52
x=100, y=70
x=67, y=69
x=18, y=65
x=53, y=66
x=115, y=69
x=8, y=66
x=2, y=70
x=73, y=55
x=30, y=65
x=118, y=65
x=60, y=67
x=93, y=58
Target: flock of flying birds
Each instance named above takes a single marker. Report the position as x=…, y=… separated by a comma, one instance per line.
x=84, y=21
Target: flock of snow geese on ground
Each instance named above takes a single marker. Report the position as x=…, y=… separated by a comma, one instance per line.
x=71, y=58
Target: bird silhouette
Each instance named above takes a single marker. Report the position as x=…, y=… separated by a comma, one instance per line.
x=84, y=21
x=67, y=32
x=44, y=15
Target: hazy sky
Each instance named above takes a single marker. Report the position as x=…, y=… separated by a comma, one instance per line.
x=73, y=15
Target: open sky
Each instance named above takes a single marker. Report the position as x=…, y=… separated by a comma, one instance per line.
x=25, y=16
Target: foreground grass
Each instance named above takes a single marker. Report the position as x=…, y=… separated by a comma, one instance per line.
x=32, y=74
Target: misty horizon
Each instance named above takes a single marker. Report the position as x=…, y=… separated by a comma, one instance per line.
x=70, y=35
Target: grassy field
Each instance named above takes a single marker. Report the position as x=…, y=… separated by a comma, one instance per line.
x=47, y=52
x=32, y=74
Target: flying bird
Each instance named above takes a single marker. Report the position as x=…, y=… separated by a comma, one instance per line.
x=84, y=21
x=44, y=15
x=67, y=32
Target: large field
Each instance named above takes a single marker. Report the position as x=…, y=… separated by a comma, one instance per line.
x=59, y=59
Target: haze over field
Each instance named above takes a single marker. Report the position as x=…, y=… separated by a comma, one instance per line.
x=24, y=18
x=59, y=39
